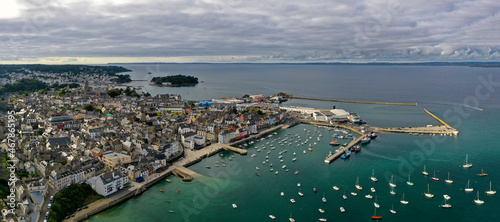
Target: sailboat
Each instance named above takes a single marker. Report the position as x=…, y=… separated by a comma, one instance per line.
x=477, y=200
x=482, y=174
x=403, y=201
x=323, y=199
x=391, y=183
x=467, y=164
x=373, y=178
x=425, y=172
x=448, y=180
x=290, y=218
x=445, y=205
x=375, y=217
x=429, y=194
x=375, y=203
x=392, y=210
x=409, y=182
x=434, y=177
x=468, y=189
x=392, y=191
x=491, y=192
x=357, y=184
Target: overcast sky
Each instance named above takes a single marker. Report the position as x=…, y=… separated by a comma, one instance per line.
x=102, y=31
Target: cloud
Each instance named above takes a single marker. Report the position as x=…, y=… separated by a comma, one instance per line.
x=252, y=31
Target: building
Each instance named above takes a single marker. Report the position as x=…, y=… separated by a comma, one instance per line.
x=60, y=180
x=111, y=159
x=109, y=183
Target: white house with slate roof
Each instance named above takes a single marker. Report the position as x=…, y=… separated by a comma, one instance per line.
x=109, y=183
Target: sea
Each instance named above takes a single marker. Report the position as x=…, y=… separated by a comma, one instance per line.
x=468, y=98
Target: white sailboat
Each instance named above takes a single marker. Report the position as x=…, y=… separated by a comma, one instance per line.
x=290, y=218
x=403, y=201
x=467, y=164
x=477, y=200
x=357, y=184
x=391, y=183
x=375, y=203
x=468, y=189
x=373, y=178
x=425, y=172
x=429, y=194
x=409, y=182
x=491, y=192
x=392, y=191
x=448, y=180
x=392, y=210
x=445, y=205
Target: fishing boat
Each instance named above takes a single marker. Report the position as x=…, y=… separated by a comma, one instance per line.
x=334, y=143
x=321, y=210
x=434, y=177
x=373, y=178
x=357, y=149
x=409, y=182
x=429, y=194
x=162, y=191
x=448, y=180
x=368, y=196
x=403, y=201
x=468, y=189
x=482, y=174
x=292, y=200
x=392, y=192
x=234, y=206
x=467, y=164
x=296, y=172
x=446, y=196
x=365, y=140
x=375, y=203
x=391, y=183
x=357, y=184
x=310, y=149
x=336, y=188
x=323, y=199
x=392, y=210
x=491, y=192
x=477, y=200
x=372, y=189
x=272, y=217
x=342, y=210
x=346, y=155
x=375, y=217
x=444, y=204
x=425, y=172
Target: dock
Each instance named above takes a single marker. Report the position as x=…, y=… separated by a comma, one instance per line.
x=343, y=149
x=332, y=125
x=185, y=173
x=444, y=129
x=350, y=101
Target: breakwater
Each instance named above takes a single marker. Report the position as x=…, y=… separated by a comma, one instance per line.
x=350, y=101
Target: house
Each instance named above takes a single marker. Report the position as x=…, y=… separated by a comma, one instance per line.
x=58, y=142
x=111, y=159
x=60, y=180
x=109, y=183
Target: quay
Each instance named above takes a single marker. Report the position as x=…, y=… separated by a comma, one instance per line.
x=349, y=101
x=343, y=149
x=332, y=125
x=445, y=129
x=186, y=174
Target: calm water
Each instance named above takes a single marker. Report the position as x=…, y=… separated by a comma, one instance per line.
x=438, y=89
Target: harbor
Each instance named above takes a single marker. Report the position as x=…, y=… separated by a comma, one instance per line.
x=351, y=101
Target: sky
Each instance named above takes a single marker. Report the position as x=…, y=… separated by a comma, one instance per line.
x=229, y=31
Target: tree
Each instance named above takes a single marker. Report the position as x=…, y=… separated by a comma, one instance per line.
x=88, y=107
x=114, y=93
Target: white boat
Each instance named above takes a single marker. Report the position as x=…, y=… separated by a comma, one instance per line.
x=354, y=193
x=292, y=200
x=392, y=192
x=321, y=210
x=272, y=217
x=444, y=204
x=323, y=199
x=335, y=188
x=234, y=206
x=448, y=180
x=253, y=155
x=409, y=182
x=467, y=164
x=344, y=196
x=468, y=189
x=290, y=218
x=294, y=159
x=477, y=200
x=298, y=184
x=375, y=203
x=429, y=194
x=425, y=172
x=283, y=167
x=446, y=196
x=282, y=194
x=276, y=172
x=491, y=192
x=257, y=168
x=342, y=210
x=357, y=184
x=403, y=201
x=392, y=210
x=368, y=196
x=322, y=219
x=391, y=183
x=373, y=178
x=372, y=189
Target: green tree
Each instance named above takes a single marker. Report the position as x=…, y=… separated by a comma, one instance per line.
x=88, y=107
x=114, y=93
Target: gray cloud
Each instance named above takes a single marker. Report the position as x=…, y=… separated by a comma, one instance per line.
x=256, y=31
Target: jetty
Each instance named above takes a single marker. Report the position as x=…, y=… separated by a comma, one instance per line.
x=343, y=149
x=444, y=129
x=186, y=174
x=350, y=101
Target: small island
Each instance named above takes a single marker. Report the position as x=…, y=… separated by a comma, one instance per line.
x=175, y=80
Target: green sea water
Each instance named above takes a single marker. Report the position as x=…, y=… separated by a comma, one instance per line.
x=209, y=196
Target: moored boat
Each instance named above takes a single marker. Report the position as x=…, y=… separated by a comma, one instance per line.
x=373, y=178
x=357, y=184
x=425, y=172
x=391, y=183
x=467, y=164
x=491, y=192
x=468, y=189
